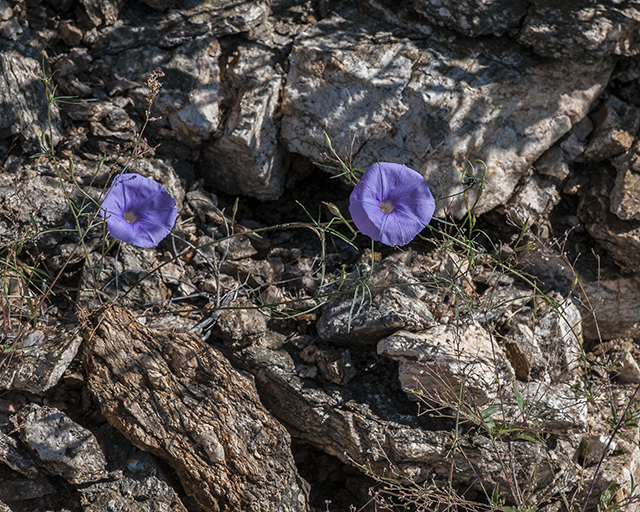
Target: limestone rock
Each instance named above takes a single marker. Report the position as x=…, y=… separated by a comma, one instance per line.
x=61, y=445
x=236, y=248
x=629, y=371
x=148, y=495
x=204, y=203
x=16, y=488
x=625, y=196
x=93, y=111
x=391, y=271
x=131, y=275
x=474, y=18
x=44, y=356
x=76, y=62
x=334, y=364
x=136, y=480
x=23, y=96
x=552, y=163
x=592, y=447
x=582, y=30
x=40, y=195
x=254, y=272
x=362, y=423
x=238, y=325
x=357, y=318
x=502, y=298
x=619, y=469
x=12, y=29
x=615, y=304
x=169, y=322
x=247, y=159
x=5, y=11
x=449, y=361
x=69, y=33
x=542, y=340
x=182, y=401
x=102, y=11
x=524, y=353
x=616, y=124
x=559, y=333
x=432, y=104
x=218, y=225
x=235, y=103
x=621, y=356
x=576, y=140
x=16, y=457
x=189, y=98
x=456, y=269
x=544, y=345
x=620, y=238
x=368, y=307
x=551, y=406
x=533, y=199
x=180, y=25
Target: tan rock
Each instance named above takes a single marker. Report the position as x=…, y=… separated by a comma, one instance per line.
x=625, y=196
x=445, y=362
x=616, y=124
x=69, y=33
x=181, y=400
x=615, y=306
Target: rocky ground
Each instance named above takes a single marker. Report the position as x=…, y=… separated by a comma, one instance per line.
x=261, y=358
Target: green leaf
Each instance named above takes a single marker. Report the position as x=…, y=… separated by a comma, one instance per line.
x=607, y=496
x=489, y=411
x=494, y=495
x=234, y=210
x=519, y=400
x=531, y=438
x=34, y=222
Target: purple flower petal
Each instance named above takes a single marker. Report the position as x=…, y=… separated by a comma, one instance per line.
x=138, y=210
x=362, y=222
x=391, y=203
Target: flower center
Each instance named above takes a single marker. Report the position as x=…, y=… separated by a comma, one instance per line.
x=130, y=217
x=387, y=207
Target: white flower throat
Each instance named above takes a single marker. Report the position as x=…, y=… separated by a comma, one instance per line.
x=130, y=217
x=387, y=207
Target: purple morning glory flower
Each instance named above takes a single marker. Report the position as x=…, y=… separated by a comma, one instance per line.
x=138, y=210
x=391, y=203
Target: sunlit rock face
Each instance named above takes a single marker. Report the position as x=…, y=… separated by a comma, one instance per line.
x=432, y=103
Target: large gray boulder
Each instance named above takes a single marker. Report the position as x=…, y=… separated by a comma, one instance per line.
x=433, y=104
x=475, y=18
x=583, y=29
x=23, y=97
